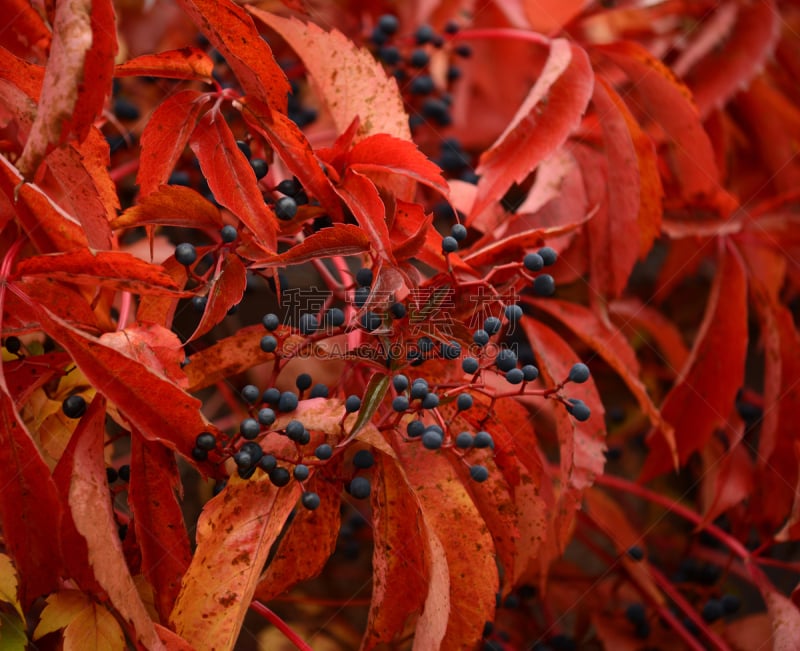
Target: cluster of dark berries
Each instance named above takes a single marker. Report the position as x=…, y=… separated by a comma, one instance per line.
x=543, y=284
x=259, y=165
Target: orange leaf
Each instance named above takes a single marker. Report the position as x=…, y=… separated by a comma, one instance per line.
x=550, y=113
x=348, y=79
x=232, y=32
x=361, y=196
x=339, y=239
x=164, y=138
x=704, y=394
x=226, y=290
x=94, y=628
x=234, y=535
x=158, y=520
x=171, y=205
x=93, y=515
x=230, y=176
x=549, y=16
x=30, y=30
x=185, y=63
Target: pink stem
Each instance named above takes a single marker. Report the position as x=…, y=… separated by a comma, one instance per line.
x=502, y=32
x=282, y=626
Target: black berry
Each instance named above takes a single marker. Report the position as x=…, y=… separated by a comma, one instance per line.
x=360, y=488
x=400, y=382
x=124, y=472
x=353, y=403
x=400, y=403
x=579, y=373
x=506, y=359
x=308, y=324
x=111, y=475
x=430, y=401
x=419, y=58
x=279, y=476
x=249, y=428
x=371, y=321
x=712, y=610
x=470, y=365
x=363, y=459
x=310, y=500
x=266, y=416
x=250, y=393
x=464, y=401
x=415, y=428
x=397, y=310
x=301, y=472
x=267, y=463
x=388, y=24
x=580, y=410
x=479, y=473
x=186, y=254
x=303, y=381
x=483, y=440
x=323, y=452
x=74, y=406
x=288, y=401
x=492, y=325
x=515, y=376
x=334, y=317
x=364, y=277
x=260, y=167
x=198, y=454
x=268, y=344
x=13, y=345
x=424, y=34
x=244, y=148
x=513, y=313
x=533, y=262
x=319, y=391
x=228, y=234
x=544, y=285
x=548, y=255
x=206, y=441
x=530, y=372
x=464, y=440
x=449, y=244
x=285, y=208
x=432, y=440
x=270, y=321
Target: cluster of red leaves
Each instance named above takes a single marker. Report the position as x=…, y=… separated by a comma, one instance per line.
x=645, y=131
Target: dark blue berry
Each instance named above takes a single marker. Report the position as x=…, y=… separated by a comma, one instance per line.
x=580, y=410
x=419, y=58
x=363, y=459
x=436, y=110
x=470, y=365
x=464, y=440
x=360, y=488
x=334, y=317
x=319, y=391
x=303, y=381
x=270, y=321
x=267, y=463
x=254, y=450
x=288, y=401
x=323, y=452
x=548, y=255
x=206, y=441
x=492, y=325
x=125, y=109
x=185, y=254
x=544, y=285
x=506, y=359
x=244, y=148
x=451, y=27
x=483, y=440
x=464, y=401
x=250, y=393
x=425, y=344
x=451, y=350
x=271, y=396
x=515, y=376
x=579, y=373
x=308, y=324
x=289, y=187
x=712, y=610
x=353, y=403
x=400, y=382
x=415, y=428
x=397, y=310
x=389, y=54
x=301, y=472
x=285, y=208
x=294, y=429
x=453, y=73
x=533, y=262
x=430, y=401
x=400, y=403
x=388, y=24
x=371, y=321
x=419, y=391
x=260, y=167
x=730, y=603
x=636, y=613
x=423, y=85
x=458, y=232
x=124, y=472
x=279, y=476
x=364, y=277
x=481, y=337
x=74, y=406
x=249, y=428
x=266, y=416
x=432, y=440
x=112, y=475
x=449, y=244
x=199, y=303
x=310, y=501
x=424, y=34
x=530, y=372
x=228, y=234
x=513, y=313
x=463, y=50
x=479, y=473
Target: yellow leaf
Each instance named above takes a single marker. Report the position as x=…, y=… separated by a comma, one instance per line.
x=94, y=629
x=8, y=584
x=12, y=633
x=61, y=610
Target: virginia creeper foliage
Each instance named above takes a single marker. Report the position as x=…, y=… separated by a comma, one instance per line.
x=419, y=325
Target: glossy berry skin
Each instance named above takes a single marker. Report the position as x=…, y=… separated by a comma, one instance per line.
x=266, y=416
x=578, y=409
x=185, y=254
x=419, y=391
x=353, y=403
x=360, y=488
x=285, y=208
x=492, y=325
x=260, y=167
x=513, y=313
x=458, y=232
x=288, y=401
x=424, y=34
x=464, y=440
x=388, y=24
x=480, y=337
x=334, y=317
x=449, y=244
x=199, y=303
x=397, y=310
x=530, y=372
x=415, y=428
x=308, y=324
x=470, y=365
x=432, y=440
x=243, y=460
x=206, y=441
x=270, y=321
x=544, y=285
x=364, y=277
x=267, y=463
x=400, y=382
x=249, y=428
x=515, y=376
x=250, y=393
x=74, y=406
x=271, y=396
x=430, y=401
x=363, y=459
x=579, y=373
x=279, y=476
x=294, y=429
x=228, y=234
x=323, y=452
x=479, y=473
x=483, y=440
x=505, y=360
x=303, y=381
x=310, y=501
x=464, y=401
x=319, y=391
x=533, y=262
x=301, y=472
x=289, y=187
x=400, y=403
x=198, y=454
x=548, y=255
x=244, y=147
x=371, y=321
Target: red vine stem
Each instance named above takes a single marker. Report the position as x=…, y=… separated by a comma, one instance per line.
x=502, y=32
x=281, y=625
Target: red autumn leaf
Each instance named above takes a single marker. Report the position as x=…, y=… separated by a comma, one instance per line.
x=549, y=16
x=231, y=31
x=30, y=30
x=667, y=103
x=185, y=63
x=83, y=47
x=171, y=205
x=154, y=346
x=705, y=391
x=290, y=143
x=29, y=507
x=452, y=517
x=348, y=79
x=26, y=375
x=295, y=560
x=339, y=239
x=728, y=474
x=400, y=569
x=93, y=515
x=735, y=57
x=226, y=290
x=549, y=114
x=234, y=535
x=115, y=269
x=155, y=406
x=165, y=137
x=158, y=520
x=230, y=176
x=390, y=155
x=361, y=196
x=48, y=226
x=25, y=76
